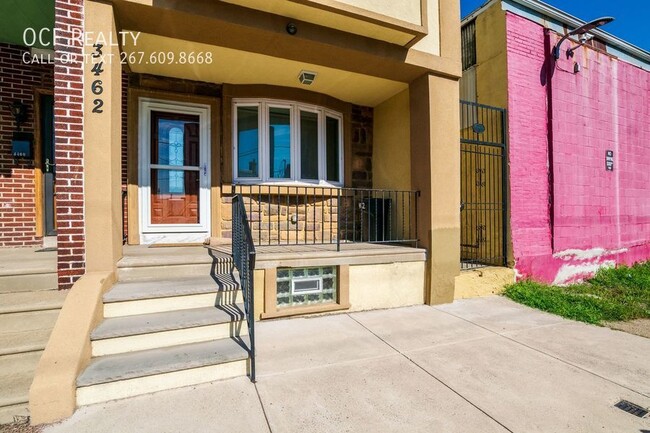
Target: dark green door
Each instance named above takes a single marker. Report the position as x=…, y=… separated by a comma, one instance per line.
x=49, y=172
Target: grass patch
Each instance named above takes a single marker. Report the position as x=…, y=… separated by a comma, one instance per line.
x=613, y=294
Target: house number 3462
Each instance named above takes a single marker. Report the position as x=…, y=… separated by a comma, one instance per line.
x=97, y=70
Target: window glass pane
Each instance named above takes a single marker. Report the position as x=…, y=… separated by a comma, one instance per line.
x=247, y=142
x=332, y=148
x=174, y=139
x=308, y=145
x=280, y=142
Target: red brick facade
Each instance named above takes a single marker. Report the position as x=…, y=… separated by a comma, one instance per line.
x=68, y=126
x=18, y=81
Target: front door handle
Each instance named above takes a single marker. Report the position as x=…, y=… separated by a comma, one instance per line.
x=48, y=165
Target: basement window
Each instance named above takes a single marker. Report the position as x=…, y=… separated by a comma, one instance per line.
x=306, y=286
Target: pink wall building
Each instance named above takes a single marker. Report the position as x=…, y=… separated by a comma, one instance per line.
x=569, y=212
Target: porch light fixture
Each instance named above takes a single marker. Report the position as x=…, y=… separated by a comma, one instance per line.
x=292, y=29
x=307, y=77
x=585, y=28
x=19, y=111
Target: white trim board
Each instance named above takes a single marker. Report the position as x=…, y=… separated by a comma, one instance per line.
x=172, y=233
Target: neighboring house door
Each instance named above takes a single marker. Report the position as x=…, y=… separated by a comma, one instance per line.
x=47, y=163
x=174, y=172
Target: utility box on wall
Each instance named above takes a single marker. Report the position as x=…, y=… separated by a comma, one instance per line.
x=22, y=145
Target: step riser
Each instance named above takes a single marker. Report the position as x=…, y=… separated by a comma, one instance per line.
x=159, y=382
x=159, y=305
x=155, y=340
x=163, y=272
x=28, y=283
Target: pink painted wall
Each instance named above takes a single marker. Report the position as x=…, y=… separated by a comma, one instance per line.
x=597, y=217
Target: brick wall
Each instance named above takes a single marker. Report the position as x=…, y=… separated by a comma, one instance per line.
x=68, y=127
x=17, y=202
x=569, y=216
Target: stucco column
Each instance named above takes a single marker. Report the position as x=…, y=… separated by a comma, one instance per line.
x=102, y=141
x=435, y=172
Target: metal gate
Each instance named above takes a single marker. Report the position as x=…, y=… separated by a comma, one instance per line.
x=483, y=193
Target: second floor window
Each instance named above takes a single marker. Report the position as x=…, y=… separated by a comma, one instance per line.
x=280, y=141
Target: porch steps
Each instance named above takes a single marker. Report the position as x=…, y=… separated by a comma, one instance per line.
x=146, y=331
x=174, y=318
x=154, y=296
x=27, y=270
x=171, y=262
x=26, y=321
x=129, y=374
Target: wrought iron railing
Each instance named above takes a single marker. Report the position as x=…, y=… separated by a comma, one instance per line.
x=243, y=252
x=483, y=186
x=295, y=215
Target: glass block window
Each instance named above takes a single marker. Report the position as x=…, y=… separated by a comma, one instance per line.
x=306, y=286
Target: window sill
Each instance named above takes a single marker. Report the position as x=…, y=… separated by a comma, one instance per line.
x=295, y=183
x=298, y=311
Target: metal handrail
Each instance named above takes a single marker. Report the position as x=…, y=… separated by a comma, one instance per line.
x=243, y=252
x=305, y=214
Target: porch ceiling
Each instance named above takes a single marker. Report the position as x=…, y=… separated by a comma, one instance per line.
x=243, y=67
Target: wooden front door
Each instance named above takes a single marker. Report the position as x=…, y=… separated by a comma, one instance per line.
x=175, y=168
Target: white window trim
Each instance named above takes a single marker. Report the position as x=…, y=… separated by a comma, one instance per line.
x=264, y=149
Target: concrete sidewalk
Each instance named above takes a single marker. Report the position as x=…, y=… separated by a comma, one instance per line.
x=481, y=365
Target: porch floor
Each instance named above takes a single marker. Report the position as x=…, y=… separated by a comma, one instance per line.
x=271, y=256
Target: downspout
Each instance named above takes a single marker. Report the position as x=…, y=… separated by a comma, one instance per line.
x=549, y=66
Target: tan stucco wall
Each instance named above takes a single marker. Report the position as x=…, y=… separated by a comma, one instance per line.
x=386, y=285
x=243, y=67
x=430, y=43
x=491, y=66
x=348, y=15
x=405, y=10
x=52, y=395
x=483, y=282
x=435, y=172
x=391, y=152
x=102, y=158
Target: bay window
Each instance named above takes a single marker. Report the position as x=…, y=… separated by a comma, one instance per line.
x=281, y=141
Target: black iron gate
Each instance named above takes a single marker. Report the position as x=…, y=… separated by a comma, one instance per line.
x=483, y=186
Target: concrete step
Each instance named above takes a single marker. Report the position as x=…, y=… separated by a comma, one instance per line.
x=19, y=302
x=28, y=321
x=7, y=413
x=27, y=269
x=125, y=375
x=141, y=263
x=129, y=298
x=28, y=282
x=155, y=330
x=16, y=375
x=23, y=341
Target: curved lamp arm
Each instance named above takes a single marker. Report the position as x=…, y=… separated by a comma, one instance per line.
x=585, y=28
